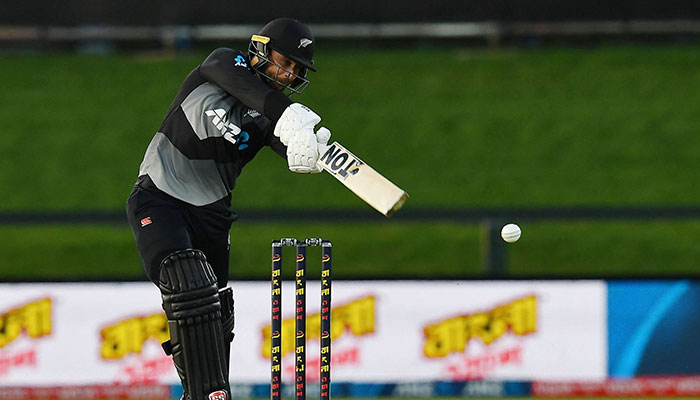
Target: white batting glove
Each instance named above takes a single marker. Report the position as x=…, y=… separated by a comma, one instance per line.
x=302, y=151
x=295, y=117
x=305, y=148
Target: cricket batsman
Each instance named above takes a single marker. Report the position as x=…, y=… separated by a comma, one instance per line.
x=227, y=109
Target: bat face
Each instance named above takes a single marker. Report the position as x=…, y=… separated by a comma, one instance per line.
x=339, y=162
x=363, y=180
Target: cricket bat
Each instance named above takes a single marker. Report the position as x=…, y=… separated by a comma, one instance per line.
x=363, y=180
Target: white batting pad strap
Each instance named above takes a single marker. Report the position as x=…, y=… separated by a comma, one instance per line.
x=294, y=118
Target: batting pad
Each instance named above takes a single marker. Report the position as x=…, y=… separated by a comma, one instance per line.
x=191, y=303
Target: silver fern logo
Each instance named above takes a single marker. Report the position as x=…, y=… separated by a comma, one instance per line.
x=304, y=42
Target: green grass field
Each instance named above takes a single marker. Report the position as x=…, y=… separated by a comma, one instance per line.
x=455, y=127
x=442, y=250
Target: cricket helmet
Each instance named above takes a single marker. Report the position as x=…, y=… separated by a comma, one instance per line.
x=290, y=38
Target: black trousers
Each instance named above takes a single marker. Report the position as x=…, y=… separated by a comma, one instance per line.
x=163, y=225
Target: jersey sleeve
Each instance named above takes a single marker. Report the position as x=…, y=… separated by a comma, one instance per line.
x=276, y=145
x=229, y=69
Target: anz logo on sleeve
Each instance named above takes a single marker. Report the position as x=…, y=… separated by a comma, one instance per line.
x=241, y=62
x=229, y=131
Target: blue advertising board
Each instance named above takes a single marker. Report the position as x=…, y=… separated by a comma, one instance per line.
x=653, y=328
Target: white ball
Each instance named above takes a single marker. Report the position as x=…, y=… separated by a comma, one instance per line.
x=511, y=233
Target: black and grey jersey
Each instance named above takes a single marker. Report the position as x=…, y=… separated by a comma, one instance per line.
x=219, y=120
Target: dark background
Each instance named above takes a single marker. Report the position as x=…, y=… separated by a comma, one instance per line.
x=161, y=12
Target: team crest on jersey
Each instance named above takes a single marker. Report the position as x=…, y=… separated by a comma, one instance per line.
x=146, y=221
x=218, y=395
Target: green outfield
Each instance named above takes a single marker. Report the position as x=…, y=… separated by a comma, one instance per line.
x=409, y=250
x=455, y=127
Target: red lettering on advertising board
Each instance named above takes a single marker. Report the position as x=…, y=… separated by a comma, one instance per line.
x=86, y=392
x=12, y=360
x=145, y=370
x=657, y=387
x=481, y=366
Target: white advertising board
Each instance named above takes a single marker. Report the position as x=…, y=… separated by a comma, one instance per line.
x=393, y=331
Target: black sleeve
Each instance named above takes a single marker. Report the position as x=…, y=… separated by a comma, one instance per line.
x=228, y=69
x=276, y=145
